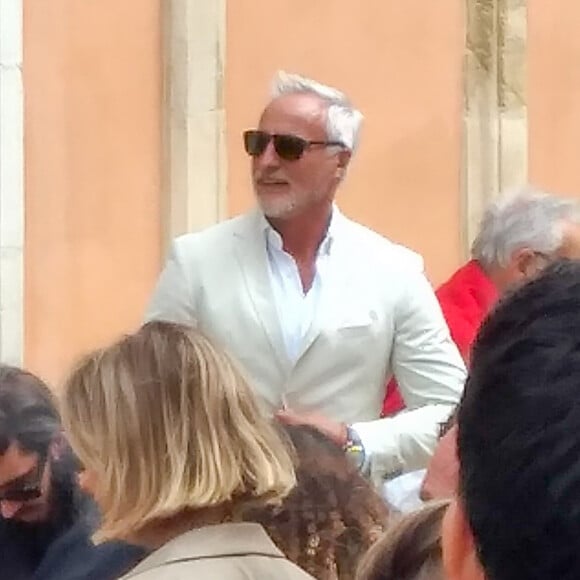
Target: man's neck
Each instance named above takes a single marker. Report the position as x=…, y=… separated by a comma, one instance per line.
x=497, y=275
x=303, y=234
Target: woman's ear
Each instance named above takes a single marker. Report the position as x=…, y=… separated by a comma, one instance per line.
x=460, y=559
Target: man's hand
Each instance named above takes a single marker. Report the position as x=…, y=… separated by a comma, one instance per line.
x=332, y=429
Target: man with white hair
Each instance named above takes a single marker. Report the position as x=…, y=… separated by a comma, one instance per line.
x=318, y=310
x=520, y=234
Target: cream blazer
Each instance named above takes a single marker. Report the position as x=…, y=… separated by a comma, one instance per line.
x=379, y=318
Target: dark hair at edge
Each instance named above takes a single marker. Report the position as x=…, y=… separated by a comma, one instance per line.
x=28, y=411
x=518, y=437
x=29, y=417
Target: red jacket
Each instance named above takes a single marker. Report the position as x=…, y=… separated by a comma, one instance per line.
x=465, y=299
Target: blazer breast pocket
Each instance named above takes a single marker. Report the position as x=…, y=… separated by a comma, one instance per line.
x=354, y=331
x=357, y=325
x=351, y=344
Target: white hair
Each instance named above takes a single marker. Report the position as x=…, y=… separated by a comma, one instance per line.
x=343, y=121
x=523, y=218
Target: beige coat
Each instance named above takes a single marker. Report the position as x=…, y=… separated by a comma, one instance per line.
x=225, y=552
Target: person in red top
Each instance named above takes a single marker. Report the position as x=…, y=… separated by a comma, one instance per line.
x=466, y=299
x=519, y=236
x=520, y=233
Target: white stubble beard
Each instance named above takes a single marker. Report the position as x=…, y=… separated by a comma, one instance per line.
x=278, y=207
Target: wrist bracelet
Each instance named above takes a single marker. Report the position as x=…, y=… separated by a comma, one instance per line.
x=354, y=447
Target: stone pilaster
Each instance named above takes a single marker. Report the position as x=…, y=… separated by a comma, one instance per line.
x=195, y=160
x=11, y=184
x=495, y=112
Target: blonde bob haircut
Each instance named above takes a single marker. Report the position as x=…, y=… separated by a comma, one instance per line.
x=165, y=423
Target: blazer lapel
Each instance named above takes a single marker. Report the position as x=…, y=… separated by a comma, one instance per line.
x=252, y=257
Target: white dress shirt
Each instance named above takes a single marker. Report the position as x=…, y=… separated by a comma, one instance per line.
x=403, y=493
x=295, y=308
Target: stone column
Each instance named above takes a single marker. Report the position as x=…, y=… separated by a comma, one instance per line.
x=195, y=160
x=11, y=183
x=495, y=112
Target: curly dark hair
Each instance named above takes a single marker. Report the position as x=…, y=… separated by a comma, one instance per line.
x=331, y=517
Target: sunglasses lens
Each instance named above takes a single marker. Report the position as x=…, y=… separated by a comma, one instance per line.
x=21, y=494
x=255, y=142
x=289, y=147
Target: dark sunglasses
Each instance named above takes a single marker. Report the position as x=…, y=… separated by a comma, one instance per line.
x=287, y=147
x=26, y=490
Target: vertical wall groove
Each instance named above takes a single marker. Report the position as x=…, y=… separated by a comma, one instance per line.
x=11, y=183
x=495, y=114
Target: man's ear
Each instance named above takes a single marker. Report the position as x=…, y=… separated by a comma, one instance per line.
x=525, y=262
x=344, y=156
x=459, y=554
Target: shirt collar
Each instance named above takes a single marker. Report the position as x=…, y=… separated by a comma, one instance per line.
x=274, y=239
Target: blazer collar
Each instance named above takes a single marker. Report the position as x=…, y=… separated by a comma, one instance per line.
x=254, y=225
x=221, y=540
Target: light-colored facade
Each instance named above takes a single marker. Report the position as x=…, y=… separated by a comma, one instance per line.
x=11, y=183
x=132, y=120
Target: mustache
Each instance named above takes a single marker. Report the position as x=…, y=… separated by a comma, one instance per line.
x=267, y=177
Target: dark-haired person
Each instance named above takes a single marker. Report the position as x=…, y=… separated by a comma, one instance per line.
x=41, y=504
x=517, y=515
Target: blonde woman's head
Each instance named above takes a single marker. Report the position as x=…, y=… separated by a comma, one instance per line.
x=164, y=422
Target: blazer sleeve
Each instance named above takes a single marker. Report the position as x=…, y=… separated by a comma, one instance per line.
x=402, y=443
x=425, y=361
x=173, y=298
x=430, y=373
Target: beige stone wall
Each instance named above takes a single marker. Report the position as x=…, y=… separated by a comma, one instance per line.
x=401, y=63
x=195, y=163
x=495, y=116
x=554, y=94
x=11, y=183
x=134, y=112
x=93, y=106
